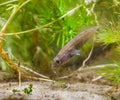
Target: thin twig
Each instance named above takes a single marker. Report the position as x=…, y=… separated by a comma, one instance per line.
x=19, y=75
x=30, y=70
x=97, y=67
x=40, y=79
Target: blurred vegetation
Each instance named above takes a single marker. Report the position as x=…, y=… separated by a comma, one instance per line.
x=65, y=19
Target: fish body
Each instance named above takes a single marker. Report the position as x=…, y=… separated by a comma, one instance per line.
x=70, y=49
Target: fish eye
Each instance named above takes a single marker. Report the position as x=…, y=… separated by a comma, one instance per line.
x=58, y=61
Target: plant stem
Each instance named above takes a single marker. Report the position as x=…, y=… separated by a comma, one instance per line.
x=7, y=2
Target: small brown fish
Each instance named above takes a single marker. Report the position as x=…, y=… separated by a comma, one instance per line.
x=70, y=49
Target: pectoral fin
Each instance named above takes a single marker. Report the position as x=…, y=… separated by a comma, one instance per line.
x=75, y=52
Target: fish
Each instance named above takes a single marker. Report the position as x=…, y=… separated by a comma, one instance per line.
x=72, y=48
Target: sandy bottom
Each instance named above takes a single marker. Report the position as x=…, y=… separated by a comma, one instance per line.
x=53, y=91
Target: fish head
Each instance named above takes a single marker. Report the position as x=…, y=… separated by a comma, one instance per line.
x=62, y=59
x=56, y=61
x=59, y=60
